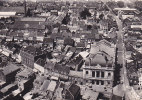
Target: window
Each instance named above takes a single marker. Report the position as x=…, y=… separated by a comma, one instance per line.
x=86, y=72
x=102, y=74
x=102, y=82
x=97, y=82
x=98, y=74
x=93, y=82
x=109, y=74
x=108, y=82
x=93, y=74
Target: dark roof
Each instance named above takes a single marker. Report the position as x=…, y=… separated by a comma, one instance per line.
x=61, y=69
x=72, y=49
x=12, y=9
x=81, y=44
x=32, y=50
x=48, y=40
x=10, y=68
x=41, y=62
x=114, y=97
x=75, y=61
x=68, y=41
x=74, y=89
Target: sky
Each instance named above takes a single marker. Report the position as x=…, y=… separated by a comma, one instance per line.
x=74, y=0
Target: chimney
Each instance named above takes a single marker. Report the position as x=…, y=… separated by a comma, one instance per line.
x=25, y=8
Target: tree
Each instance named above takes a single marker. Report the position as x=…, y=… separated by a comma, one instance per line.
x=66, y=19
x=1, y=3
x=120, y=4
x=85, y=13
x=101, y=16
x=111, y=4
x=138, y=5
x=29, y=13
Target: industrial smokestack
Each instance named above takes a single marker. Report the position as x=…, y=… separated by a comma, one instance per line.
x=25, y=8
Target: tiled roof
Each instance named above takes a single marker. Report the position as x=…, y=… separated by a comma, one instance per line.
x=74, y=89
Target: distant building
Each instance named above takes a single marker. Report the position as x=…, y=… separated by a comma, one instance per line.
x=25, y=80
x=69, y=41
x=11, y=11
x=48, y=43
x=61, y=71
x=72, y=92
x=8, y=73
x=28, y=55
x=99, y=70
x=104, y=25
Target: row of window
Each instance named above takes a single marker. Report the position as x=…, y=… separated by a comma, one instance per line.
x=98, y=74
x=98, y=82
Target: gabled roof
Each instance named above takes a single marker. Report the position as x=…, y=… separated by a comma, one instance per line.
x=41, y=62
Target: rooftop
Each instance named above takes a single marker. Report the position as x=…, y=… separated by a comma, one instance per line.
x=100, y=58
x=60, y=68
x=28, y=25
x=74, y=89
x=45, y=85
x=25, y=73
x=52, y=86
x=36, y=19
x=10, y=68
x=12, y=9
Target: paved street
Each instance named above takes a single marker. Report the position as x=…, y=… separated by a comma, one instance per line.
x=121, y=53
